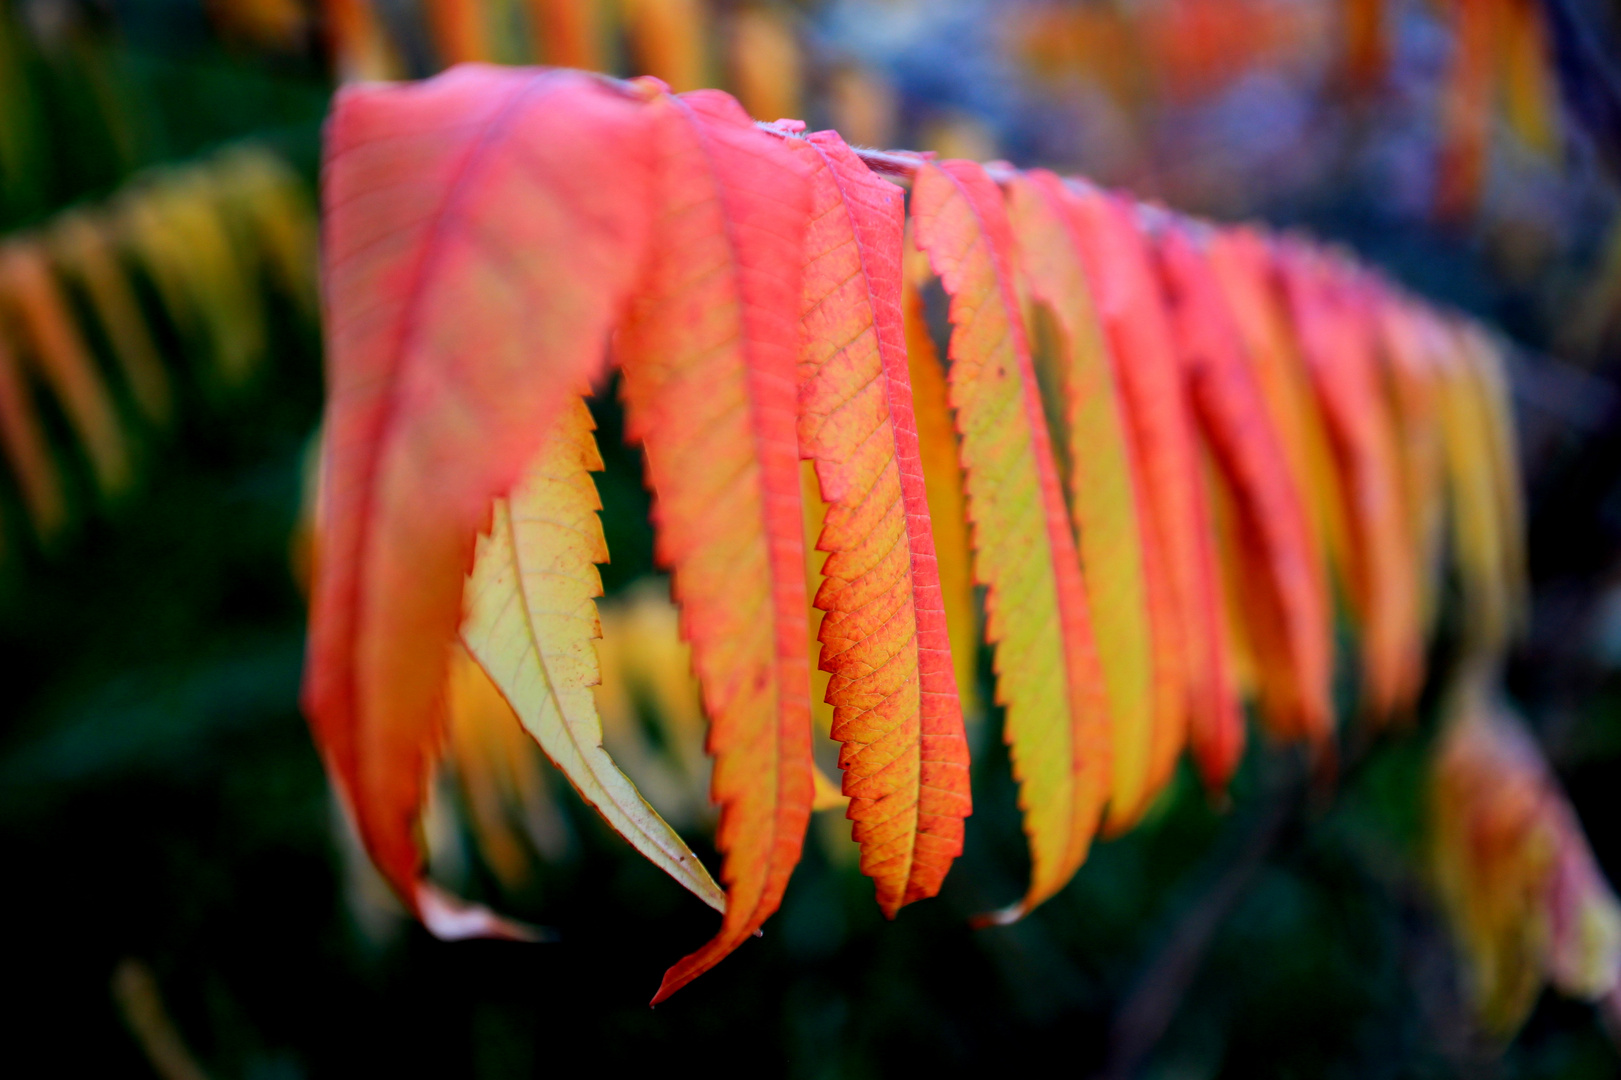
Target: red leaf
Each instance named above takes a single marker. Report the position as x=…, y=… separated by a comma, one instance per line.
x=1161, y=419
x=709, y=377
x=884, y=640
x=482, y=231
x=1272, y=523
x=1333, y=319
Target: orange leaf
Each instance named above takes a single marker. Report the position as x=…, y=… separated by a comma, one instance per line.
x=884, y=637
x=708, y=354
x=1160, y=418
x=459, y=34
x=482, y=233
x=88, y=254
x=1271, y=516
x=567, y=33
x=26, y=448
x=1332, y=316
x=31, y=291
x=1057, y=723
x=1244, y=267
x=1102, y=481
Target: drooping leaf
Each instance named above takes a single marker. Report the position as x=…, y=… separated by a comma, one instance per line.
x=1295, y=650
x=884, y=637
x=29, y=292
x=1333, y=319
x=938, y=453
x=482, y=231
x=1243, y=264
x=1415, y=349
x=85, y=250
x=709, y=352
x=1037, y=618
x=1490, y=367
x=259, y=190
x=1475, y=507
x=1102, y=483
x=25, y=447
x=1160, y=419
x=530, y=618
x=1513, y=872
x=178, y=232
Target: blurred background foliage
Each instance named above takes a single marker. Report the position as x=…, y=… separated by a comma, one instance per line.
x=183, y=895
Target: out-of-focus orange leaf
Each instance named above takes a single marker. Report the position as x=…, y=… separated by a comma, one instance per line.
x=1161, y=421
x=1286, y=600
x=763, y=54
x=1511, y=867
x=28, y=290
x=669, y=40
x=567, y=33
x=458, y=31
x=92, y=258
x=1466, y=107
x=1414, y=345
x=1333, y=314
x=1244, y=266
x=26, y=449
x=361, y=52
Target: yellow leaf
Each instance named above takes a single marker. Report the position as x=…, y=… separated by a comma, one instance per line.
x=530, y=619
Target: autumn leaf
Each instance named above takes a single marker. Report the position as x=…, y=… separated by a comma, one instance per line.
x=530, y=618
x=1102, y=483
x=1057, y=724
x=1483, y=508
x=40, y=312
x=1510, y=866
x=884, y=637
x=1288, y=607
x=708, y=352
x=89, y=256
x=567, y=33
x=1333, y=318
x=1160, y=419
x=1415, y=351
x=447, y=207
x=26, y=449
x=1243, y=264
